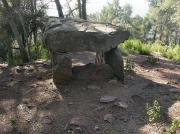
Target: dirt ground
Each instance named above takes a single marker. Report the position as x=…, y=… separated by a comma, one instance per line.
x=31, y=104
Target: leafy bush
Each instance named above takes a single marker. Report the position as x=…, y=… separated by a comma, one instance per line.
x=173, y=52
x=13, y=121
x=38, y=51
x=153, y=111
x=174, y=126
x=158, y=47
x=135, y=46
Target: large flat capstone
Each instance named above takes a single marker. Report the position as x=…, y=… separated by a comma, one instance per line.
x=73, y=35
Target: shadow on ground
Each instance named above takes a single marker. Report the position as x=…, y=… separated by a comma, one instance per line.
x=30, y=103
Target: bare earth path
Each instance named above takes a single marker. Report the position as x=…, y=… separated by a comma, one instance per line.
x=30, y=103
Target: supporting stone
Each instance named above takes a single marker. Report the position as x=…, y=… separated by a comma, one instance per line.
x=62, y=71
x=115, y=60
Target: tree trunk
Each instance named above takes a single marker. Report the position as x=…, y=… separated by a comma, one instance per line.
x=79, y=8
x=84, y=14
x=154, y=37
x=175, y=38
x=13, y=25
x=70, y=10
x=10, y=53
x=59, y=8
x=167, y=39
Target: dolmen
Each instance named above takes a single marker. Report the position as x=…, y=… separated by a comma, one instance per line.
x=63, y=36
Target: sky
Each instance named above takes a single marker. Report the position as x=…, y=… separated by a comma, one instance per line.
x=139, y=7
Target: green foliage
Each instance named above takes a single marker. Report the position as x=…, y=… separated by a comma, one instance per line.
x=124, y=51
x=174, y=126
x=129, y=65
x=152, y=60
x=170, y=52
x=135, y=46
x=153, y=111
x=13, y=121
x=158, y=46
x=115, y=14
x=173, y=52
x=39, y=51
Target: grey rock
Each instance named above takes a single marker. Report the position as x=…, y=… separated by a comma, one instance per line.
x=70, y=35
x=46, y=120
x=79, y=121
x=115, y=60
x=109, y=118
x=93, y=87
x=62, y=71
x=113, y=82
x=96, y=128
x=100, y=108
x=107, y=99
x=121, y=104
x=174, y=111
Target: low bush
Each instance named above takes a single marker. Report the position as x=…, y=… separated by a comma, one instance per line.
x=173, y=52
x=174, y=126
x=158, y=47
x=135, y=46
x=38, y=51
x=153, y=111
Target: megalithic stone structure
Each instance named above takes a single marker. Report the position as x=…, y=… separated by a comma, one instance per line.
x=76, y=35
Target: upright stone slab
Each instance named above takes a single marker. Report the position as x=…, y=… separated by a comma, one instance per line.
x=72, y=35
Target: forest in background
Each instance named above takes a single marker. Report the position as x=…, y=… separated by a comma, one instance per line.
x=22, y=23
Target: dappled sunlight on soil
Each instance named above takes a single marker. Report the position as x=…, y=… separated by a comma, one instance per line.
x=31, y=103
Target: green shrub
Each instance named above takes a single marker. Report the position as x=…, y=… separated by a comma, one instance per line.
x=173, y=52
x=13, y=121
x=158, y=47
x=174, y=126
x=153, y=111
x=39, y=51
x=135, y=46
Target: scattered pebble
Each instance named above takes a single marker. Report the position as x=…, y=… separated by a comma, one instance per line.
x=109, y=118
x=96, y=128
x=107, y=99
x=113, y=82
x=70, y=103
x=93, y=87
x=79, y=121
x=174, y=111
x=46, y=120
x=100, y=108
x=121, y=104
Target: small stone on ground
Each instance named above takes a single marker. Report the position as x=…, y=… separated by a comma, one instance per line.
x=107, y=99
